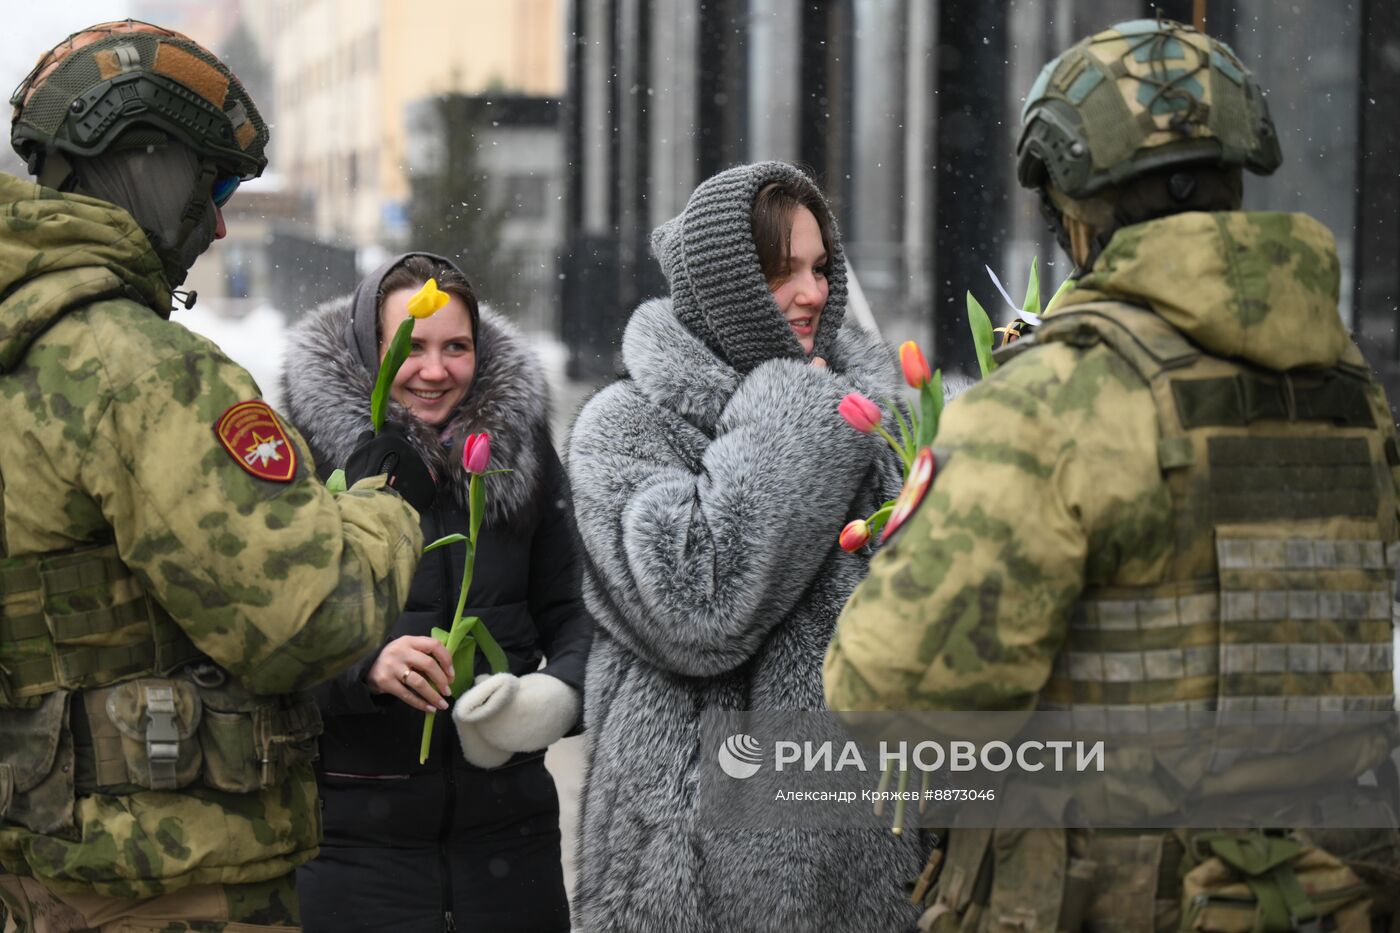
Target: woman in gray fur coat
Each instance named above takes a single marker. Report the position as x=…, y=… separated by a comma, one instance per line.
x=710, y=487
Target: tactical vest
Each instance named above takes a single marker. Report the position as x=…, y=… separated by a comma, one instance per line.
x=1281, y=576
x=101, y=691
x=1278, y=596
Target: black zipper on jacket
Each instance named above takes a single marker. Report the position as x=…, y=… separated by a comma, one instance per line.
x=449, y=790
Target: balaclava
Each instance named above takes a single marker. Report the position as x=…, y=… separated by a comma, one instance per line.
x=155, y=186
x=717, y=286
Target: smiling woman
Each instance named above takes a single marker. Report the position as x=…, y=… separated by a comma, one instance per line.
x=442, y=362
x=413, y=846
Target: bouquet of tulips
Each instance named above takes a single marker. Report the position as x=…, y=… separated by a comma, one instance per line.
x=916, y=433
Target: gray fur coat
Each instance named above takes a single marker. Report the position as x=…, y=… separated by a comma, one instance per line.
x=709, y=505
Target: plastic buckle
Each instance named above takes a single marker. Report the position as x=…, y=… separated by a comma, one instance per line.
x=162, y=736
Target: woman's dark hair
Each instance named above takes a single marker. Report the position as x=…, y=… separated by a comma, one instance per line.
x=773, y=210
x=414, y=271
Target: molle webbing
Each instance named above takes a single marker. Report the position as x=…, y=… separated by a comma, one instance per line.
x=1248, y=396
x=1280, y=587
x=80, y=619
x=1291, y=478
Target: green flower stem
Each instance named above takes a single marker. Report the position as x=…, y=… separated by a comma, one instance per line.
x=885, y=776
x=877, y=521
x=898, y=828
x=471, y=631
x=908, y=461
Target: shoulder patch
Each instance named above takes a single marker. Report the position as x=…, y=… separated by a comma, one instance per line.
x=252, y=434
x=912, y=495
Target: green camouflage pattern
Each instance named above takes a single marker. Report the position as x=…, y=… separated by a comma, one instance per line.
x=1055, y=488
x=1259, y=286
x=1137, y=97
x=110, y=412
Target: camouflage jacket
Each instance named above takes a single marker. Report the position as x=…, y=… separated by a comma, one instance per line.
x=109, y=412
x=1054, y=486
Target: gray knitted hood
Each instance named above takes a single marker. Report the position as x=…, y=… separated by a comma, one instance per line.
x=717, y=286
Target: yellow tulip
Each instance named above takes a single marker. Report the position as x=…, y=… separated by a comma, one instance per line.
x=427, y=300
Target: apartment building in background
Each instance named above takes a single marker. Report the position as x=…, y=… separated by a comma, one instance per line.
x=345, y=71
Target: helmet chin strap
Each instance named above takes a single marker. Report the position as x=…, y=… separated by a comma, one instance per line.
x=175, y=265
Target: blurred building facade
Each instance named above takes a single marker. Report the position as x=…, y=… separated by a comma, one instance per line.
x=907, y=113
x=345, y=72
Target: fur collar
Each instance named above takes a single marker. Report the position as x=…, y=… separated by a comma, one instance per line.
x=675, y=369
x=327, y=392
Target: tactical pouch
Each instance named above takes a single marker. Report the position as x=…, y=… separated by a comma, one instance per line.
x=36, y=767
x=1257, y=883
x=1008, y=879
x=252, y=742
x=156, y=719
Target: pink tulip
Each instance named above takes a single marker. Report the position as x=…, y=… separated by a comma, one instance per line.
x=477, y=453
x=855, y=535
x=859, y=412
x=911, y=358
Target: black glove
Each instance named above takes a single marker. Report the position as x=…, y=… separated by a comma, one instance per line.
x=391, y=452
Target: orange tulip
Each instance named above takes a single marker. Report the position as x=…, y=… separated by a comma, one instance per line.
x=916, y=371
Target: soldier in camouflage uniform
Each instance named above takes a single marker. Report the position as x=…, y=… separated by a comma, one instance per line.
x=171, y=571
x=1180, y=494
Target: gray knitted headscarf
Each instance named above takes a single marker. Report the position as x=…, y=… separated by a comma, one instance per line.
x=717, y=286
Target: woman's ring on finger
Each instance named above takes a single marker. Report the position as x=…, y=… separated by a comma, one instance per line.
x=406, y=672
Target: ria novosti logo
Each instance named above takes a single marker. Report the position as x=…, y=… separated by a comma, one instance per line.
x=740, y=756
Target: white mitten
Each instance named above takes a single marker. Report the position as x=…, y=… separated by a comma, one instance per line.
x=503, y=714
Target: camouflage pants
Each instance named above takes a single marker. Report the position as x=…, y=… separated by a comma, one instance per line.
x=244, y=908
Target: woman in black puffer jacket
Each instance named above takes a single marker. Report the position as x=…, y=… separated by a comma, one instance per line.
x=469, y=840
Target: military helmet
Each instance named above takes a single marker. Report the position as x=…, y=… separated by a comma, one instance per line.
x=1139, y=97
x=109, y=79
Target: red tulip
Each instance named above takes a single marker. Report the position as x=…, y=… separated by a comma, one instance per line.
x=855, y=535
x=916, y=371
x=476, y=453
x=859, y=412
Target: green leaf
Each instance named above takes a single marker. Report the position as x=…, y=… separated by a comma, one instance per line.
x=478, y=506
x=981, y=335
x=463, y=661
x=336, y=481
x=1032, y=303
x=494, y=655
x=398, y=351
x=1065, y=286
x=443, y=542
x=930, y=409
x=441, y=634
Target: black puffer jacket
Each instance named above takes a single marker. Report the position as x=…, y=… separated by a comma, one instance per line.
x=406, y=844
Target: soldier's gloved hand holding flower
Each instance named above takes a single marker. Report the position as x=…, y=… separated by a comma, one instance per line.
x=415, y=668
x=390, y=452
x=504, y=714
